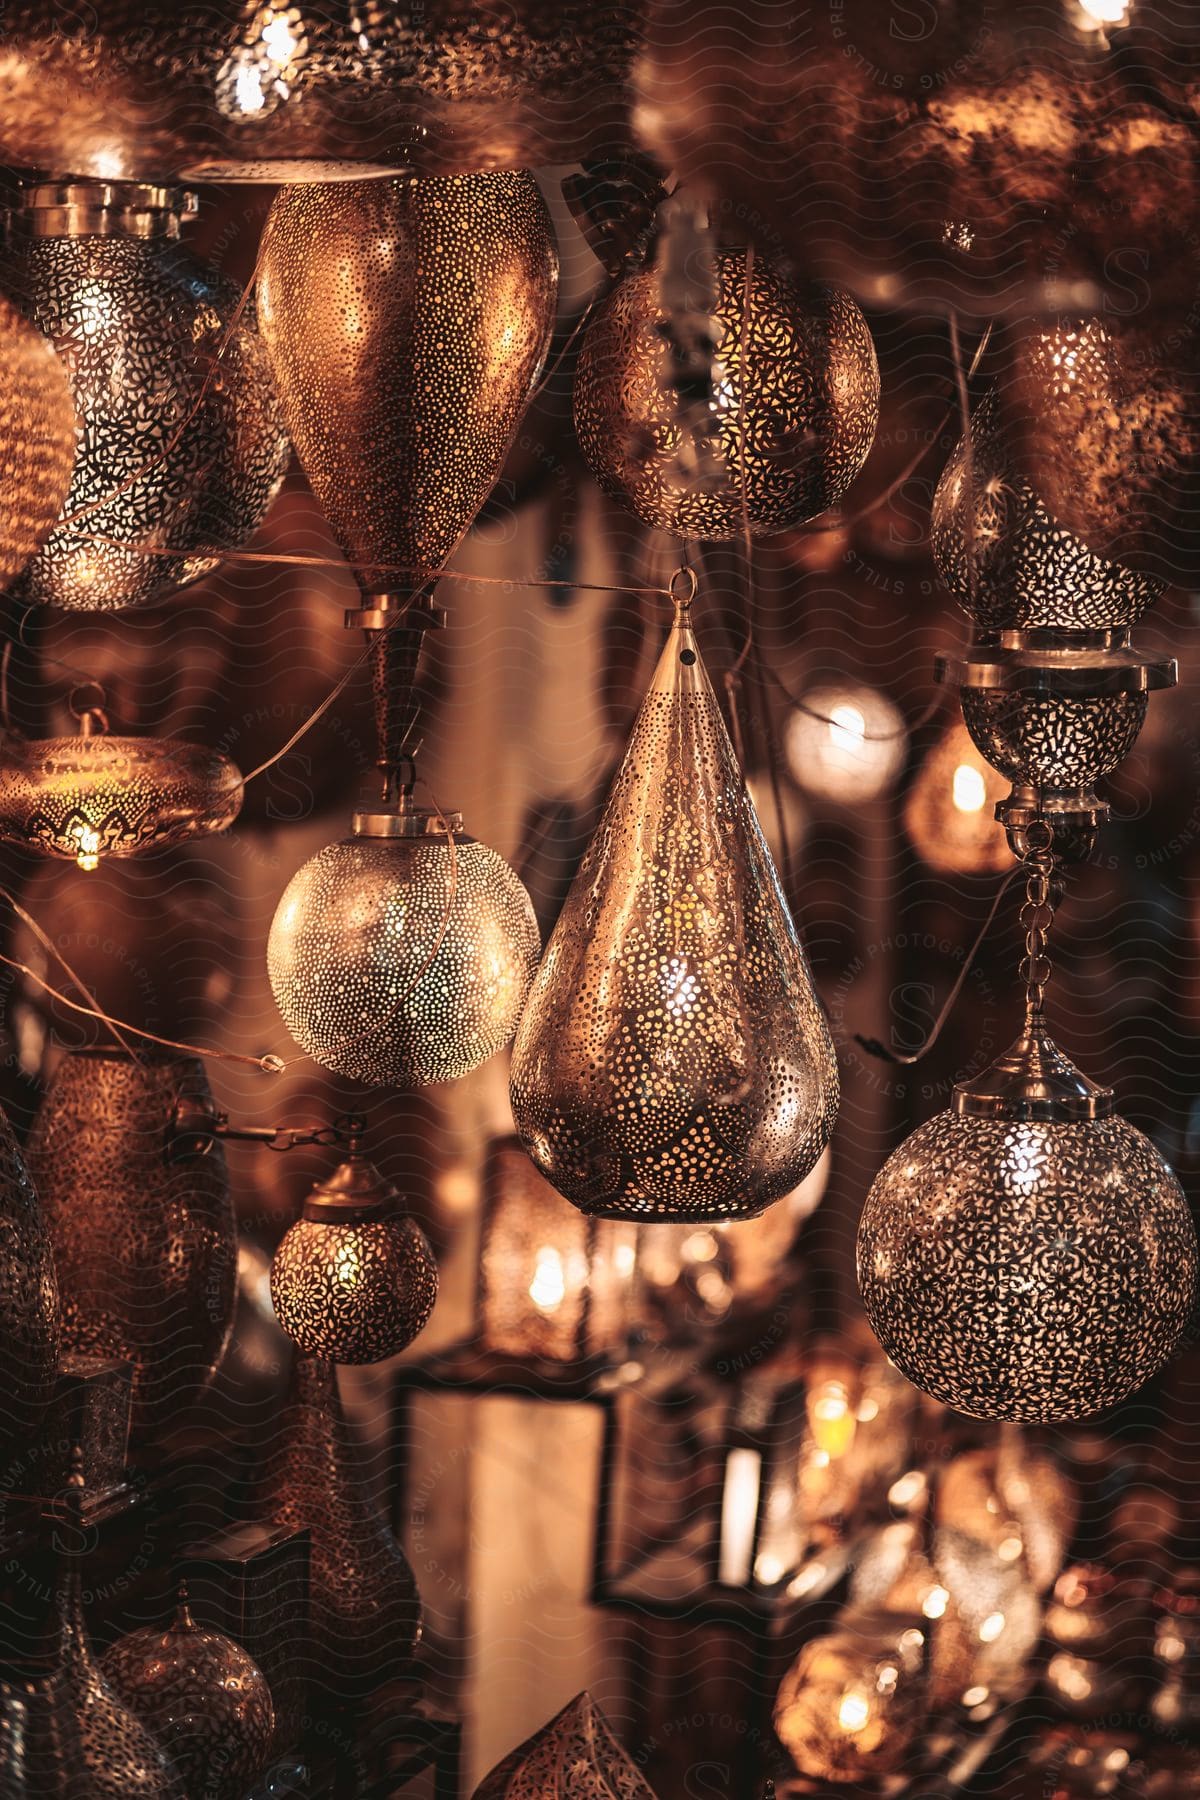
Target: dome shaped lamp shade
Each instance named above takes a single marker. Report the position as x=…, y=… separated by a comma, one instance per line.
x=674, y=1061
x=402, y=955
x=37, y=441
x=201, y=1697
x=95, y=796
x=1027, y=1255
x=793, y=407
x=181, y=441
x=354, y=1281
x=407, y=321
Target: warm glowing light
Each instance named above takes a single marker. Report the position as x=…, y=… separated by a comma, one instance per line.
x=847, y=727
x=548, y=1287
x=88, y=840
x=739, y=1515
x=830, y=1418
x=969, y=789
x=1098, y=13
x=854, y=1710
x=845, y=743
x=935, y=1603
x=991, y=1628
x=907, y=1488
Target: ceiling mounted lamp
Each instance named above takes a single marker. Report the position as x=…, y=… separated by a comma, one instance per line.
x=37, y=441
x=181, y=440
x=1016, y=160
x=315, y=90
x=93, y=796
x=790, y=405
x=354, y=1280
x=674, y=1061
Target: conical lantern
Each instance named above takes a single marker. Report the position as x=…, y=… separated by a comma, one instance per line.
x=354, y=1279
x=407, y=321
x=673, y=1061
x=204, y=1699
x=573, y=1757
x=37, y=441
x=30, y=1323
x=144, y=1238
x=364, y=1608
x=177, y=451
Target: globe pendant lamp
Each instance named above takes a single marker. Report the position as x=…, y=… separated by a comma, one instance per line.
x=37, y=441
x=674, y=1061
x=30, y=1317
x=1026, y=1254
x=364, y=1608
x=354, y=1280
x=407, y=321
x=143, y=1234
x=791, y=414
x=95, y=796
x=181, y=443
x=202, y=1697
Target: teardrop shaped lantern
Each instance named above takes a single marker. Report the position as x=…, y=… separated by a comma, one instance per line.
x=407, y=321
x=37, y=441
x=354, y=1279
x=204, y=1699
x=364, y=1608
x=673, y=1061
x=144, y=1238
x=30, y=1320
x=179, y=452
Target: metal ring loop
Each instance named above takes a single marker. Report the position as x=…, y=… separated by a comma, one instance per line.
x=77, y=705
x=689, y=576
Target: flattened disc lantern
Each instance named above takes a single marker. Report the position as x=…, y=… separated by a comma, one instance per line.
x=37, y=441
x=673, y=1061
x=407, y=321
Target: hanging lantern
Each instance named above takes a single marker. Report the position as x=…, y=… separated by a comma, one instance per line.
x=850, y=1706
x=673, y=1061
x=407, y=321
x=30, y=1319
x=144, y=1238
x=37, y=441
x=846, y=743
x=1008, y=561
x=402, y=955
x=92, y=796
x=573, y=1757
x=364, y=1608
x=354, y=1280
x=784, y=436
x=950, y=814
x=1026, y=1254
x=182, y=445
x=204, y=1700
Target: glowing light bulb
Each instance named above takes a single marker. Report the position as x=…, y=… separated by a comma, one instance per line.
x=830, y=1418
x=1098, y=13
x=89, y=847
x=855, y=1710
x=548, y=1287
x=969, y=789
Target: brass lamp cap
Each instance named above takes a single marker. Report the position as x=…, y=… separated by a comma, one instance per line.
x=1033, y=1080
x=353, y=1194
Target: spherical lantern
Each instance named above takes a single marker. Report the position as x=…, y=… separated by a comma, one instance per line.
x=354, y=1281
x=182, y=446
x=847, y=743
x=1025, y=1254
x=403, y=959
x=92, y=796
x=950, y=812
x=407, y=321
x=144, y=1242
x=793, y=410
x=674, y=1062
x=1008, y=561
x=851, y=1704
x=204, y=1699
x=37, y=441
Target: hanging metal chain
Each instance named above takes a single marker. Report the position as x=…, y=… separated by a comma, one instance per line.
x=1043, y=895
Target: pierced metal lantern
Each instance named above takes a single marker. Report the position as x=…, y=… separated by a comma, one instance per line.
x=787, y=433
x=204, y=1699
x=573, y=1757
x=852, y=1703
x=92, y=796
x=364, y=1608
x=144, y=1236
x=37, y=441
x=180, y=450
x=1026, y=1254
x=403, y=955
x=1008, y=561
x=354, y=1280
x=407, y=321
x=30, y=1316
x=674, y=1061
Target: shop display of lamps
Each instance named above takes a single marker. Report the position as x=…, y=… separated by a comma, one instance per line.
x=178, y=451
x=673, y=1061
